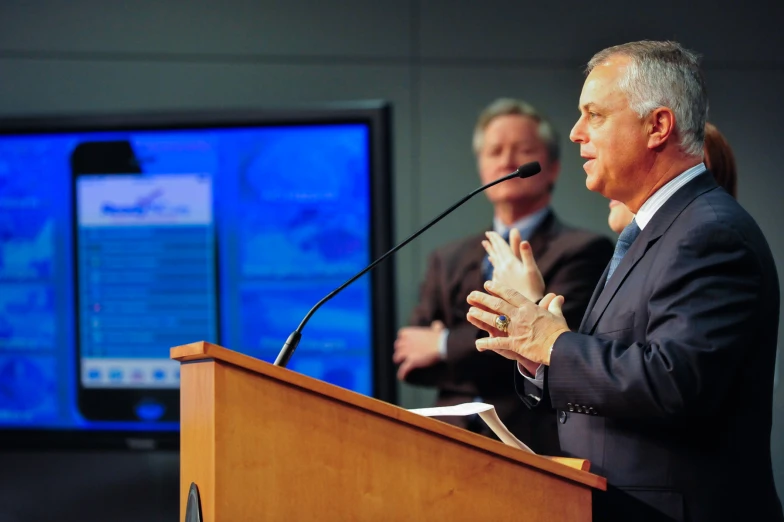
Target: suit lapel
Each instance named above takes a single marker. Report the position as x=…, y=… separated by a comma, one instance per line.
x=592, y=303
x=605, y=295
x=469, y=269
x=474, y=269
x=661, y=221
x=541, y=236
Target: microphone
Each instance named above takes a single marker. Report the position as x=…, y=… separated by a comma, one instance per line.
x=524, y=171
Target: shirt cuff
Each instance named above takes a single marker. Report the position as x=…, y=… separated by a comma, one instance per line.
x=442, y=343
x=537, y=380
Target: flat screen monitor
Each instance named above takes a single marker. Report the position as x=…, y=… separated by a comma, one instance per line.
x=122, y=236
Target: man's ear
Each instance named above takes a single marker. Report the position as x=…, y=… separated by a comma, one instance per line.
x=661, y=126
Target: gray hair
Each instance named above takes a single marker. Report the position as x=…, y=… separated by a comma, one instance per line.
x=664, y=74
x=510, y=107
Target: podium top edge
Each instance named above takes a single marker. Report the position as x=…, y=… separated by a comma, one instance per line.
x=577, y=470
x=197, y=350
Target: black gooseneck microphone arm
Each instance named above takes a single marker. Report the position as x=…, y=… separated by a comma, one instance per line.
x=524, y=171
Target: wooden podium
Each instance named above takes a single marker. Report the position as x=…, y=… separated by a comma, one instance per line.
x=265, y=443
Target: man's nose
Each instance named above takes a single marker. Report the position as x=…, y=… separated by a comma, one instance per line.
x=577, y=135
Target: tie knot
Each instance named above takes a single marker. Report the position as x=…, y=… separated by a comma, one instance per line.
x=629, y=233
x=625, y=240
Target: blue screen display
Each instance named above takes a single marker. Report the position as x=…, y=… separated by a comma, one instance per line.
x=228, y=235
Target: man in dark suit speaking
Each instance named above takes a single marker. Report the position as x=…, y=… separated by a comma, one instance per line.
x=438, y=348
x=667, y=385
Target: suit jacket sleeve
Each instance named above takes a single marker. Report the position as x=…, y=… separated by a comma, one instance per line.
x=463, y=361
x=576, y=282
x=700, y=314
x=430, y=308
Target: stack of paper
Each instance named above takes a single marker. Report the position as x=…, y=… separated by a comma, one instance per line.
x=486, y=411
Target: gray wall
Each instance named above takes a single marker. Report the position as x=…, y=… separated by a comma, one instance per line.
x=438, y=61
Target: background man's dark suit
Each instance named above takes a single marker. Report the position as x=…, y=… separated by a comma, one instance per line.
x=571, y=262
x=670, y=395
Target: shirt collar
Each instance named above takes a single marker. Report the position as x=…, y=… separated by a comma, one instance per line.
x=524, y=225
x=660, y=197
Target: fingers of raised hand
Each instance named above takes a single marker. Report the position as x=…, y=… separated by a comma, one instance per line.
x=546, y=300
x=488, y=247
x=490, y=303
x=488, y=318
x=493, y=343
x=555, y=306
x=498, y=244
x=527, y=255
x=507, y=294
x=484, y=321
x=514, y=242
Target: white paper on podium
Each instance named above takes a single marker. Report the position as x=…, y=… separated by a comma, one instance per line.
x=486, y=411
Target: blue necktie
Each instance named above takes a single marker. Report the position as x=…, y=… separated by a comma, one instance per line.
x=625, y=240
x=487, y=267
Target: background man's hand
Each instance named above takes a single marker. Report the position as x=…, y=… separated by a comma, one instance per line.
x=417, y=347
x=514, y=264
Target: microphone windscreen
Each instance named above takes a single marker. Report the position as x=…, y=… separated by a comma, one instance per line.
x=529, y=169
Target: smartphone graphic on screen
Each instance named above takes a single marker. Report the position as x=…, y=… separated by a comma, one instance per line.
x=145, y=268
